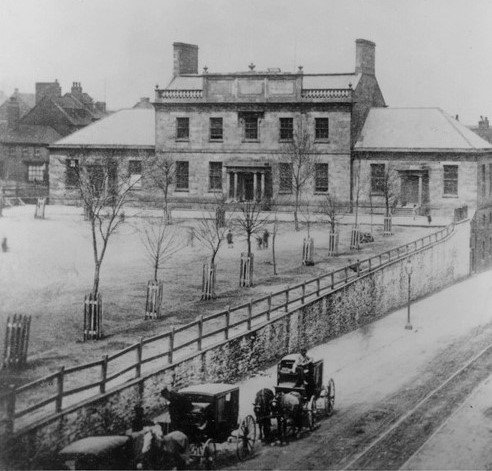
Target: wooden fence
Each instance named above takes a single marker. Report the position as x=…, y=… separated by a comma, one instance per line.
x=16, y=341
x=147, y=354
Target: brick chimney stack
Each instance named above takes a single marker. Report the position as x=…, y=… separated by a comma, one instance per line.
x=13, y=113
x=51, y=89
x=365, y=57
x=76, y=89
x=185, y=59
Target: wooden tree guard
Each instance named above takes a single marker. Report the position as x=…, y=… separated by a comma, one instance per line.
x=93, y=312
x=154, y=299
x=246, y=270
x=16, y=341
x=308, y=251
x=40, y=206
x=208, y=281
x=333, y=238
x=387, y=229
x=220, y=217
x=355, y=237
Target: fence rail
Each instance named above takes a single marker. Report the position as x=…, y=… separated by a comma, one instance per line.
x=201, y=333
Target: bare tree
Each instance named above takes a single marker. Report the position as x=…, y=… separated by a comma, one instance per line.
x=104, y=193
x=302, y=160
x=161, y=170
x=357, y=185
x=248, y=218
x=333, y=208
x=390, y=189
x=161, y=242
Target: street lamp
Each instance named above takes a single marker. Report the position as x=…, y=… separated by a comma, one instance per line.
x=409, y=270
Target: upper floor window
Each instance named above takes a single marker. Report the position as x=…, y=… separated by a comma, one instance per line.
x=215, y=176
x=321, y=178
x=135, y=173
x=12, y=151
x=377, y=178
x=286, y=129
x=321, y=128
x=72, y=174
x=182, y=175
x=251, y=127
x=25, y=153
x=182, y=128
x=37, y=152
x=285, y=178
x=216, y=129
x=451, y=180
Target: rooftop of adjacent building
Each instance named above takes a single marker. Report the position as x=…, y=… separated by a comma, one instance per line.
x=417, y=129
x=133, y=127
x=25, y=134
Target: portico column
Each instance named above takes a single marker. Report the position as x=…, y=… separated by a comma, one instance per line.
x=420, y=190
x=262, y=185
x=235, y=185
x=254, y=186
x=228, y=185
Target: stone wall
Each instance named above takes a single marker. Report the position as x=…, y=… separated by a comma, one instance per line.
x=366, y=299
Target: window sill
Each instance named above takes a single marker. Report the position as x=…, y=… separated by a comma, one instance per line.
x=215, y=191
x=286, y=140
x=450, y=196
x=376, y=194
x=322, y=141
x=182, y=190
x=182, y=139
x=321, y=192
x=250, y=140
x=284, y=192
x=216, y=140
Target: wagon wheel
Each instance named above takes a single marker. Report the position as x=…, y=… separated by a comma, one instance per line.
x=330, y=398
x=246, y=437
x=209, y=454
x=310, y=413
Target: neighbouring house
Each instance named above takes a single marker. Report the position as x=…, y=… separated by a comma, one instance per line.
x=26, y=135
x=26, y=103
x=233, y=133
x=127, y=137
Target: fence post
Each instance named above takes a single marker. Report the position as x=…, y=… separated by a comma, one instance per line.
x=370, y=268
x=138, y=370
x=269, y=306
x=318, y=282
x=171, y=346
x=250, y=313
x=59, y=384
x=287, y=299
x=11, y=409
x=104, y=374
x=228, y=322
x=200, y=333
x=346, y=274
x=332, y=276
x=303, y=292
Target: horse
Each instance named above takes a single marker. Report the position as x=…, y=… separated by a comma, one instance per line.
x=288, y=409
x=263, y=411
x=159, y=451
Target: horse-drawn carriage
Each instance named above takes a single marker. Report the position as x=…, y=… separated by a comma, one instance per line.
x=295, y=403
x=215, y=413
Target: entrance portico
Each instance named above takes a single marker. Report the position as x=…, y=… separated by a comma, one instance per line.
x=414, y=187
x=248, y=181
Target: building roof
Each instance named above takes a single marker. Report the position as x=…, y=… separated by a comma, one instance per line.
x=28, y=134
x=126, y=128
x=309, y=82
x=416, y=129
x=26, y=102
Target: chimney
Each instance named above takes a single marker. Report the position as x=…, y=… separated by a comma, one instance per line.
x=365, y=57
x=51, y=89
x=185, y=59
x=13, y=113
x=76, y=89
x=100, y=106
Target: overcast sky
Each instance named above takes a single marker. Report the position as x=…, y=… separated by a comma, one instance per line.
x=428, y=52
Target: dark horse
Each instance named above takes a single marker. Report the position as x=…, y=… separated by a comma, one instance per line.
x=263, y=412
x=287, y=407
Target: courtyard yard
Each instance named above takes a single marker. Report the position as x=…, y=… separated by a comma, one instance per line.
x=49, y=266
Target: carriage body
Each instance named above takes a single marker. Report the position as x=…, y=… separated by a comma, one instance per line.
x=287, y=379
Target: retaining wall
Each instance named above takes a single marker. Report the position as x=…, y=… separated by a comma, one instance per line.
x=362, y=301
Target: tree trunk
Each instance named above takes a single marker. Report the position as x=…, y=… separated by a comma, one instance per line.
x=156, y=268
x=274, y=260
x=95, y=287
x=249, y=243
x=296, y=220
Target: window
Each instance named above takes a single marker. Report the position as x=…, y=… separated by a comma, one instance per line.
x=285, y=171
x=182, y=128
x=135, y=173
x=286, y=129
x=251, y=128
x=215, y=176
x=72, y=175
x=35, y=172
x=321, y=178
x=182, y=175
x=321, y=128
x=97, y=179
x=12, y=151
x=25, y=152
x=451, y=180
x=37, y=152
x=216, y=129
x=377, y=178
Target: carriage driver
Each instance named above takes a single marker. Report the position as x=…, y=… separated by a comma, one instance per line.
x=303, y=366
x=180, y=408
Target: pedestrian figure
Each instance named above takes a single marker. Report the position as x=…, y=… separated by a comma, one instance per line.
x=429, y=219
x=230, y=242
x=259, y=241
x=414, y=211
x=4, y=245
x=266, y=235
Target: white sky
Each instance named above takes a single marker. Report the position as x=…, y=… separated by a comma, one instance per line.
x=428, y=52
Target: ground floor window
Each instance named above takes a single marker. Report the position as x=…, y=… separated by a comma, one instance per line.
x=451, y=180
x=182, y=175
x=285, y=178
x=35, y=172
x=72, y=173
x=321, y=178
x=215, y=176
x=377, y=178
x=135, y=173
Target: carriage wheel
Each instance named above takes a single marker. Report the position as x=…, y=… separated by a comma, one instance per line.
x=310, y=413
x=330, y=398
x=246, y=438
x=209, y=454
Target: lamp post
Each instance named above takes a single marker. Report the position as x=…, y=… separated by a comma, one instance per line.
x=409, y=270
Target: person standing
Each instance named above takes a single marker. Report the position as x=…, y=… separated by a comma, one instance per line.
x=266, y=236
x=230, y=242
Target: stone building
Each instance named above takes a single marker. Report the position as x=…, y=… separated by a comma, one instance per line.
x=26, y=135
x=127, y=137
x=233, y=133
